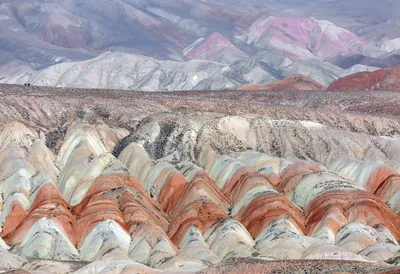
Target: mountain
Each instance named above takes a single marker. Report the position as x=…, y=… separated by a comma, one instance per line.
x=305, y=38
x=321, y=72
x=136, y=72
x=270, y=40
x=21, y=53
x=370, y=19
x=215, y=47
x=293, y=82
x=378, y=30
x=127, y=71
x=380, y=80
x=390, y=45
x=348, y=61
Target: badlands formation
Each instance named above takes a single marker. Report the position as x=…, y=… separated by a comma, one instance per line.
x=108, y=181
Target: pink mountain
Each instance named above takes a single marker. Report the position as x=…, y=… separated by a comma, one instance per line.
x=215, y=47
x=306, y=37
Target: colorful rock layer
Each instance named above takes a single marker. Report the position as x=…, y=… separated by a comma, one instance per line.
x=87, y=210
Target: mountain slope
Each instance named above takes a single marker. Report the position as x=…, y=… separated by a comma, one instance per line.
x=290, y=83
x=249, y=45
x=127, y=71
x=22, y=53
x=136, y=72
x=380, y=80
x=348, y=61
x=305, y=38
x=215, y=47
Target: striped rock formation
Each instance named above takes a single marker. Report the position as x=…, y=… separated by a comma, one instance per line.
x=209, y=193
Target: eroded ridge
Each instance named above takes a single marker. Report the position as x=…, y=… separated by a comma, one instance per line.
x=195, y=195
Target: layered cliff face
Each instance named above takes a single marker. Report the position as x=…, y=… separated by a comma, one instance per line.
x=122, y=183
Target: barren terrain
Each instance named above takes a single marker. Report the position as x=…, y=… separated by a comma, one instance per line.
x=108, y=181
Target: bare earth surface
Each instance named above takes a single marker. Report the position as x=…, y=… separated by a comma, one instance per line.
x=108, y=181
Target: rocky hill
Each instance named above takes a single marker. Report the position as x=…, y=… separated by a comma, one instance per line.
x=383, y=79
x=270, y=41
x=212, y=182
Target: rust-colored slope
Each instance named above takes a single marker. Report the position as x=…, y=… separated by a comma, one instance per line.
x=48, y=203
x=383, y=79
x=354, y=206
